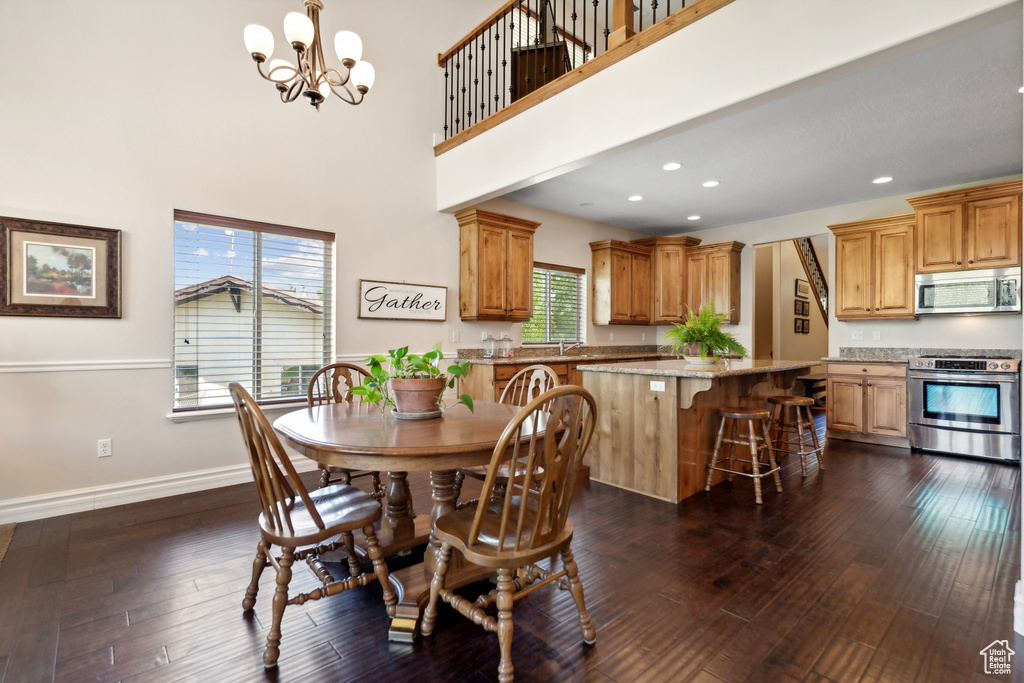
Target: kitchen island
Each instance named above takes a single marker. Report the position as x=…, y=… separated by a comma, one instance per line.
x=657, y=420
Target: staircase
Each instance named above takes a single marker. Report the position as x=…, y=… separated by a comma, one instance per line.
x=814, y=274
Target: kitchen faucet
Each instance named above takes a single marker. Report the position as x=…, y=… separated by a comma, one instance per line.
x=562, y=348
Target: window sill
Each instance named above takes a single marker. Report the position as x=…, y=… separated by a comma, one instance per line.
x=217, y=413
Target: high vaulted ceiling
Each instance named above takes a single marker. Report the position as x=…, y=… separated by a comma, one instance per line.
x=945, y=115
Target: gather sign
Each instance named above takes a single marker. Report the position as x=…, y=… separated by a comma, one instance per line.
x=401, y=301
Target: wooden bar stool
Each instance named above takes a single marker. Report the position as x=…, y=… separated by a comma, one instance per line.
x=756, y=443
x=792, y=420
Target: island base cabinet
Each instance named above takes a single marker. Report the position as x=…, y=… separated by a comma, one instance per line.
x=655, y=434
x=634, y=445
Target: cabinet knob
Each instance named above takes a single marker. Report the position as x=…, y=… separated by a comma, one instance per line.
x=868, y=310
x=863, y=369
x=970, y=262
x=958, y=263
x=869, y=384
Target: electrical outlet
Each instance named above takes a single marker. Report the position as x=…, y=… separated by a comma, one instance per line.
x=104, y=448
x=657, y=385
x=483, y=335
x=857, y=336
x=455, y=336
x=611, y=336
x=643, y=336
x=876, y=335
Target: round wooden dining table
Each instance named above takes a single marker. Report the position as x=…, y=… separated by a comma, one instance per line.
x=357, y=436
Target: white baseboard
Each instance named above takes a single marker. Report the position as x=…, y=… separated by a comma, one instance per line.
x=83, y=500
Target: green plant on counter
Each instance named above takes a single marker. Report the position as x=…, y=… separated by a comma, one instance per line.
x=701, y=334
x=404, y=365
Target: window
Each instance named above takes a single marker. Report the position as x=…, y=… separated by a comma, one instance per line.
x=559, y=303
x=223, y=332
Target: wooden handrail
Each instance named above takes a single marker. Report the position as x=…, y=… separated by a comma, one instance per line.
x=477, y=32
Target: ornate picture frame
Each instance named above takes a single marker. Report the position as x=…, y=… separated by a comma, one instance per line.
x=59, y=270
x=803, y=288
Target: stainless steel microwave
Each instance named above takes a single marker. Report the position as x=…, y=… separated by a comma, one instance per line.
x=968, y=291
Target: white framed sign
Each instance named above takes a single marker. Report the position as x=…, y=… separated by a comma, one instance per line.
x=401, y=301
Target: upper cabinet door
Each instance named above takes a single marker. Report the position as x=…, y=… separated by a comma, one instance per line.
x=520, y=275
x=640, y=294
x=853, y=290
x=993, y=233
x=696, y=280
x=940, y=238
x=493, y=270
x=622, y=285
x=669, y=284
x=894, y=272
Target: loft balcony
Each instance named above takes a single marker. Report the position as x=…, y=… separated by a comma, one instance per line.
x=605, y=87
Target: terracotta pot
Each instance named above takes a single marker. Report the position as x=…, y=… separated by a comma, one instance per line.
x=414, y=396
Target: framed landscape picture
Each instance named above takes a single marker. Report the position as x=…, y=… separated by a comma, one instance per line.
x=60, y=270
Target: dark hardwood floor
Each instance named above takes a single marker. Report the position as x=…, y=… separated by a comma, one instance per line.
x=889, y=566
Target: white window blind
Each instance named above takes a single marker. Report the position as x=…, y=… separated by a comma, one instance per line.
x=559, y=305
x=224, y=331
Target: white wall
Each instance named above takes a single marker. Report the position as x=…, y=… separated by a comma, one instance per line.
x=954, y=332
x=792, y=345
x=116, y=112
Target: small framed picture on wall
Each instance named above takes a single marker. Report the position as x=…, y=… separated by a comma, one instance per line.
x=806, y=307
x=798, y=325
x=798, y=307
x=803, y=288
x=806, y=326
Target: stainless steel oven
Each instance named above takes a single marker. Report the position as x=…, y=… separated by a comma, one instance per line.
x=965, y=406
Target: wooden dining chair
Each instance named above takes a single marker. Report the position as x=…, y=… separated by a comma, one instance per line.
x=523, y=387
x=301, y=524
x=528, y=524
x=331, y=384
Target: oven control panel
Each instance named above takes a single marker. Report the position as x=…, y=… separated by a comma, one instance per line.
x=966, y=364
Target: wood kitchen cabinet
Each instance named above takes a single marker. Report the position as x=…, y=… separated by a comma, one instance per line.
x=867, y=402
x=874, y=268
x=713, y=274
x=969, y=229
x=495, y=266
x=621, y=287
x=485, y=382
x=668, y=276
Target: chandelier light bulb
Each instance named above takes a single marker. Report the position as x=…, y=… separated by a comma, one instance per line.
x=259, y=41
x=362, y=76
x=349, y=47
x=298, y=29
x=281, y=71
x=325, y=89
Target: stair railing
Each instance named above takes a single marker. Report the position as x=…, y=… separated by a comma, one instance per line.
x=815, y=275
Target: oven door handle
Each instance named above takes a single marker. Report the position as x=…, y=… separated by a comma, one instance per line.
x=963, y=377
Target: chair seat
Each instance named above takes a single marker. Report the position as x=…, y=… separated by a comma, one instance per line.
x=454, y=527
x=339, y=505
x=741, y=413
x=480, y=472
x=791, y=400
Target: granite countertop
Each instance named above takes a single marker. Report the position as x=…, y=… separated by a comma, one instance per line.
x=875, y=358
x=682, y=368
x=587, y=355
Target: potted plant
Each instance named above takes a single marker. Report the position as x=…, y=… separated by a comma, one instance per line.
x=413, y=384
x=701, y=336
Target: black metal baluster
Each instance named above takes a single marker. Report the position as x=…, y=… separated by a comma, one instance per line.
x=446, y=85
x=607, y=26
x=504, y=59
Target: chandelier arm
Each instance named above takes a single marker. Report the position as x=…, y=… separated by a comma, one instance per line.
x=351, y=96
x=293, y=91
x=334, y=77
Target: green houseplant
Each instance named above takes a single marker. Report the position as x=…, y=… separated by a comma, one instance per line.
x=413, y=384
x=701, y=335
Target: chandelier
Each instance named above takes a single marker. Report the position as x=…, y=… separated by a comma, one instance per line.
x=310, y=76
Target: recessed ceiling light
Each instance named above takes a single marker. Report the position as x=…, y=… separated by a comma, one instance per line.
x=693, y=218
x=712, y=183
x=1021, y=90
x=635, y=198
x=674, y=166
x=883, y=179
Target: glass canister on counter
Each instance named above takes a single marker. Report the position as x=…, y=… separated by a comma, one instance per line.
x=490, y=346
x=505, y=348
